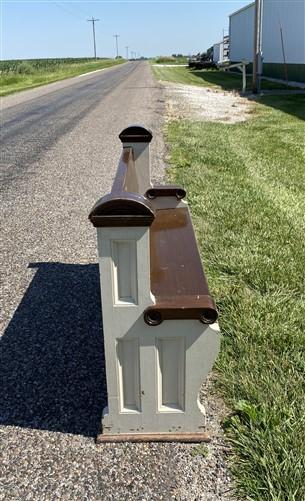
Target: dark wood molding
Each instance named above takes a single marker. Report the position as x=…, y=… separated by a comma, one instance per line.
x=136, y=134
x=122, y=209
x=121, y=221
x=200, y=308
x=166, y=191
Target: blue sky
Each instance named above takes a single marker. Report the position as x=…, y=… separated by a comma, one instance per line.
x=54, y=28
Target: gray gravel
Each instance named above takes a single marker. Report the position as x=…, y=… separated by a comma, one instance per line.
x=60, y=152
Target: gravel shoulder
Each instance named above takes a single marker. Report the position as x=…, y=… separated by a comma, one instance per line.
x=204, y=103
x=52, y=371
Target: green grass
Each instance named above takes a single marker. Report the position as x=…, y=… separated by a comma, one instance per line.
x=14, y=82
x=209, y=78
x=246, y=188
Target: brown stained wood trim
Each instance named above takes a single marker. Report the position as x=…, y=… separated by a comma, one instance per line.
x=122, y=209
x=178, y=281
x=155, y=437
x=176, y=268
x=200, y=308
x=136, y=134
x=166, y=191
x=124, y=206
x=121, y=221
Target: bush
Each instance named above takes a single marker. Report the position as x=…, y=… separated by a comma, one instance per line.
x=165, y=59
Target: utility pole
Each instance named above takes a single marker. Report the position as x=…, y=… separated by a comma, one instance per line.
x=117, y=45
x=257, y=46
x=127, y=52
x=93, y=30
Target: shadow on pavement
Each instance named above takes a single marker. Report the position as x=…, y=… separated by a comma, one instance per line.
x=52, y=358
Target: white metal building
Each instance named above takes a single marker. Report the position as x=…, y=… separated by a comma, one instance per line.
x=217, y=52
x=241, y=30
x=221, y=50
x=287, y=16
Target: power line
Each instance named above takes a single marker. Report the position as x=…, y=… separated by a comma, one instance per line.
x=69, y=10
x=93, y=21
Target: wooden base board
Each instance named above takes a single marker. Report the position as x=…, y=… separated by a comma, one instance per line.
x=154, y=437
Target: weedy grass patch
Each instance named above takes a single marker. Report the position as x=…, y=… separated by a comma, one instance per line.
x=169, y=60
x=209, y=78
x=200, y=450
x=20, y=75
x=246, y=189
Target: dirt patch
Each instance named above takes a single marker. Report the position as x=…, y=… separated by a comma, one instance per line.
x=203, y=103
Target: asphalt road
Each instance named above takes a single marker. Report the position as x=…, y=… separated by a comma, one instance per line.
x=59, y=153
x=32, y=126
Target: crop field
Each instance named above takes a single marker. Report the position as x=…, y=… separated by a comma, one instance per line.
x=24, y=66
x=19, y=74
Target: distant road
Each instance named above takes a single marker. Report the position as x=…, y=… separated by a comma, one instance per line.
x=34, y=120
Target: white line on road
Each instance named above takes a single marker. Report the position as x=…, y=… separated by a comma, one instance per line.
x=90, y=72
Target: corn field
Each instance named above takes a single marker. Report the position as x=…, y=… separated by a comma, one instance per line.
x=23, y=66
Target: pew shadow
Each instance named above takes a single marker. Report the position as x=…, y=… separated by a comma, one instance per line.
x=52, y=357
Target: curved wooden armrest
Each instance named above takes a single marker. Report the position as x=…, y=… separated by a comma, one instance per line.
x=122, y=209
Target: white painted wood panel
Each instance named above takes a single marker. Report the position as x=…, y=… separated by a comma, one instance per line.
x=124, y=254
x=129, y=375
x=171, y=374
